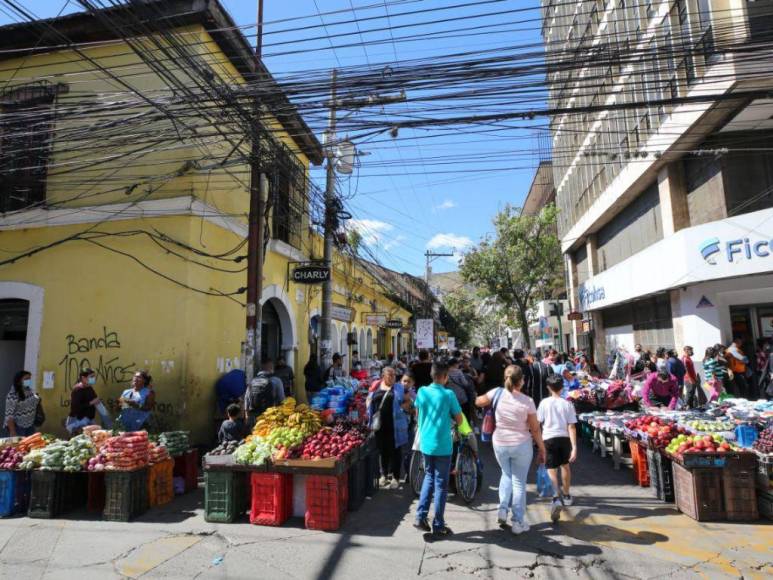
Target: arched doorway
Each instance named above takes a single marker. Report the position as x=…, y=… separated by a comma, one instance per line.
x=361, y=344
x=271, y=332
x=278, y=331
x=369, y=343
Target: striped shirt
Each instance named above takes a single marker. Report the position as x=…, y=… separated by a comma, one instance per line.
x=713, y=369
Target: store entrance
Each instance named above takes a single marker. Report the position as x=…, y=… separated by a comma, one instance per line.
x=13, y=339
x=753, y=324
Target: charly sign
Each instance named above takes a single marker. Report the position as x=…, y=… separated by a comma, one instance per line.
x=311, y=274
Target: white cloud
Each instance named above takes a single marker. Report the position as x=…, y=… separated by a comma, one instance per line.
x=448, y=242
x=373, y=232
x=447, y=204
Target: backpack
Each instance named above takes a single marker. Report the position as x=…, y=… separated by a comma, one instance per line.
x=261, y=394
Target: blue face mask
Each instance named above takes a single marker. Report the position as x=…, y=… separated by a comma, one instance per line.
x=27, y=383
x=92, y=380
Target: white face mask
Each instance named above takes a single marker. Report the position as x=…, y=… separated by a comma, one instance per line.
x=92, y=380
x=27, y=383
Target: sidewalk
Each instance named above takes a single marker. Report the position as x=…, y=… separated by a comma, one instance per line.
x=614, y=530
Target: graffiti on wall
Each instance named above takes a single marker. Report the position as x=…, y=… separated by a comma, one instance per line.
x=101, y=353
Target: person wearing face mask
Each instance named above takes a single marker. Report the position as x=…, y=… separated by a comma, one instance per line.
x=21, y=407
x=83, y=403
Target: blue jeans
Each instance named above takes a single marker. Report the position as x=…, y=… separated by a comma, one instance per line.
x=515, y=462
x=436, y=471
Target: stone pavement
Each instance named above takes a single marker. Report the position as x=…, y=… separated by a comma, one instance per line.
x=615, y=530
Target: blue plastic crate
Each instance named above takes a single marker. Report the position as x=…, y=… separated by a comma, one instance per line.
x=746, y=435
x=14, y=492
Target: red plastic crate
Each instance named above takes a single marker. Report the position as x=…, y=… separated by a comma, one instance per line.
x=96, y=497
x=272, y=498
x=326, y=499
x=187, y=467
x=641, y=472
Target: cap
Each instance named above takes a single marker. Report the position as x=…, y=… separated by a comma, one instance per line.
x=338, y=356
x=453, y=361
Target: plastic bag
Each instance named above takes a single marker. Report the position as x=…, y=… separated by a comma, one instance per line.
x=544, y=485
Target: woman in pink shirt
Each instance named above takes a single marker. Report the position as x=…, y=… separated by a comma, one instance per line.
x=517, y=430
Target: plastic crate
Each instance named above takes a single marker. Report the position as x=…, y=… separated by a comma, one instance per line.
x=53, y=493
x=640, y=471
x=765, y=505
x=226, y=495
x=586, y=432
x=326, y=500
x=160, y=487
x=764, y=472
x=14, y=492
x=740, y=495
x=272, y=498
x=652, y=468
x=96, y=494
x=358, y=475
x=187, y=467
x=746, y=435
x=372, y=472
x=126, y=495
x=665, y=476
x=698, y=493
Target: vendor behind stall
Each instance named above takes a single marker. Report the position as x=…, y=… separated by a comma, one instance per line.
x=660, y=389
x=137, y=402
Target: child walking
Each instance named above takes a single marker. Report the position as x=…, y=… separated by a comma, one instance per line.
x=559, y=431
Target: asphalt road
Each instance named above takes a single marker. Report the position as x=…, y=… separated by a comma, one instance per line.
x=614, y=530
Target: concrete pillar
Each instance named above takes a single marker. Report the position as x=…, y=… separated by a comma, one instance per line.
x=593, y=262
x=677, y=316
x=571, y=292
x=674, y=212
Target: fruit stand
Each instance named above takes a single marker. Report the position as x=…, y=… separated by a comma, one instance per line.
x=715, y=463
x=294, y=465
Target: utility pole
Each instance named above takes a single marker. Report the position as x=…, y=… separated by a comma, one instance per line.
x=255, y=233
x=431, y=256
x=326, y=348
x=332, y=207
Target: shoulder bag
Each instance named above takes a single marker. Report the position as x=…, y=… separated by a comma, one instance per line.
x=489, y=419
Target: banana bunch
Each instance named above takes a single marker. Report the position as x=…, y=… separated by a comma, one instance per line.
x=288, y=414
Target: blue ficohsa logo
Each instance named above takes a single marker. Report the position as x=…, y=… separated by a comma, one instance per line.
x=710, y=250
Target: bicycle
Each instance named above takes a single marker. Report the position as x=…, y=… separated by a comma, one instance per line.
x=467, y=471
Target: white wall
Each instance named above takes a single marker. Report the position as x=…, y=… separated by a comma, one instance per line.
x=703, y=327
x=616, y=336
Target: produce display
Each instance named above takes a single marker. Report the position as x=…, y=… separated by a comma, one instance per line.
x=660, y=432
x=288, y=414
x=176, y=442
x=77, y=453
x=34, y=441
x=127, y=452
x=157, y=454
x=710, y=426
x=764, y=443
x=225, y=448
x=32, y=460
x=97, y=435
x=285, y=441
x=254, y=452
x=10, y=458
x=328, y=443
x=96, y=463
x=699, y=444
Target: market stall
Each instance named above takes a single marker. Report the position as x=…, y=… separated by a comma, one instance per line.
x=714, y=463
x=315, y=462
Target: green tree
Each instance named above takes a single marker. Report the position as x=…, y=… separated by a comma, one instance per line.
x=520, y=264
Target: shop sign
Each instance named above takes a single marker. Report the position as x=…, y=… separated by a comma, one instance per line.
x=728, y=248
x=425, y=333
x=394, y=323
x=586, y=326
x=342, y=313
x=766, y=322
x=374, y=319
x=442, y=340
x=451, y=343
x=574, y=315
x=310, y=274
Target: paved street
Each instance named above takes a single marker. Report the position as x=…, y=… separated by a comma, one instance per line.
x=615, y=530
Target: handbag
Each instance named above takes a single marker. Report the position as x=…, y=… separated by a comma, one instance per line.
x=489, y=419
x=375, y=420
x=40, y=415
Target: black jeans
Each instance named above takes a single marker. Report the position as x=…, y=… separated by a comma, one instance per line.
x=391, y=456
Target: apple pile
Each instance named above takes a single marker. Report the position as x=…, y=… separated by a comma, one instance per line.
x=659, y=431
x=326, y=443
x=699, y=444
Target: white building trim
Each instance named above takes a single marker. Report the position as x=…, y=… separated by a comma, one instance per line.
x=34, y=295
x=286, y=320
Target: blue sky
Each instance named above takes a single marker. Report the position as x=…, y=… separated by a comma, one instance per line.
x=402, y=202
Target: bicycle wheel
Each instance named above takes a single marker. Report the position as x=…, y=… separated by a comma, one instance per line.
x=416, y=472
x=466, y=474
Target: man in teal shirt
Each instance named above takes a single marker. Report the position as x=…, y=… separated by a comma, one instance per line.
x=438, y=409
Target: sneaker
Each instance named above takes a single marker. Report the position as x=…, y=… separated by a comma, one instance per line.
x=422, y=525
x=444, y=531
x=502, y=517
x=382, y=481
x=393, y=484
x=519, y=527
x=555, y=509
x=567, y=500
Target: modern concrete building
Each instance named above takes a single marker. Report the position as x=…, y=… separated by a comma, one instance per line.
x=662, y=168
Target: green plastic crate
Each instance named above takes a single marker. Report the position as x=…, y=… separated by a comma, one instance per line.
x=226, y=495
x=126, y=495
